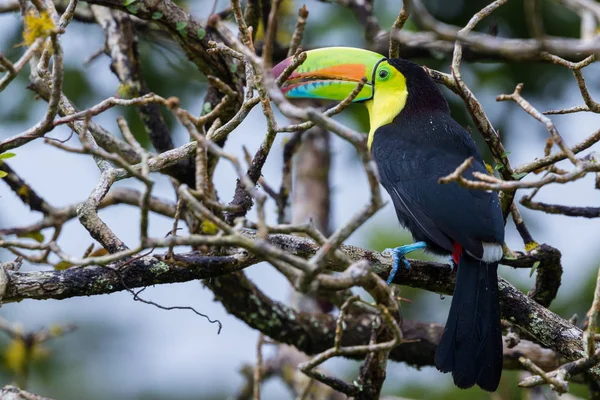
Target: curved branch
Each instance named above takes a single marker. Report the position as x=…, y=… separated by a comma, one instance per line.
x=431, y=276
x=94, y=280
x=182, y=27
x=547, y=327
x=315, y=333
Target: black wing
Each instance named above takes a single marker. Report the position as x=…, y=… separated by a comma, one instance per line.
x=410, y=163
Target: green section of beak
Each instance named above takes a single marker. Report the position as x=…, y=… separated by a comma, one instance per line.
x=331, y=73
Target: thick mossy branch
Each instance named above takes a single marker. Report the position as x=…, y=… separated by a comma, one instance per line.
x=183, y=27
x=94, y=280
x=315, y=333
x=547, y=327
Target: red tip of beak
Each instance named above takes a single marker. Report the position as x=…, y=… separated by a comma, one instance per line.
x=278, y=69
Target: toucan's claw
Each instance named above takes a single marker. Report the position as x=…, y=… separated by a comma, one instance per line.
x=399, y=254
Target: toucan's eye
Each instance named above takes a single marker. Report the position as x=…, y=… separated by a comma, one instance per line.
x=384, y=74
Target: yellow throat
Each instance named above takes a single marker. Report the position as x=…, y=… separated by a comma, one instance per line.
x=388, y=101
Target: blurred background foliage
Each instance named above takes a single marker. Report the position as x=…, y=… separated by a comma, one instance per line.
x=99, y=341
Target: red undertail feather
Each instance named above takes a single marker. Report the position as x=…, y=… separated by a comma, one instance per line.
x=456, y=253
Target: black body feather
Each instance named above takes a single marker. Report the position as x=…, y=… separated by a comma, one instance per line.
x=422, y=144
x=471, y=346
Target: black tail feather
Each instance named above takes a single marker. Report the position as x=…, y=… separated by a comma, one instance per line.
x=471, y=345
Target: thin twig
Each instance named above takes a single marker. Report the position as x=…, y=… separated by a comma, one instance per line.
x=271, y=31
x=396, y=27
x=529, y=109
x=298, y=30
x=258, y=367
x=592, y=315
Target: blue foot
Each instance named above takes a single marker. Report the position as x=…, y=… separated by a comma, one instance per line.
x=398, y=254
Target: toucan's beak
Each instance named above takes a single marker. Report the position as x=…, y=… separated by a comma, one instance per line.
x=331, y=73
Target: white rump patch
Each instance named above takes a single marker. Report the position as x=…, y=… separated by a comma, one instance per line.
x=491, y=252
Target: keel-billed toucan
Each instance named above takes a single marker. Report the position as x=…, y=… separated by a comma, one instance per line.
x=414, y=142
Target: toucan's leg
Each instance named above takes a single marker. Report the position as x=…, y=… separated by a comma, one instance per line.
x=399, y=253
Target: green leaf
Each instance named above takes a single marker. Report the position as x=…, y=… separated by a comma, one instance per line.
x=181, y=25
x=233, y=68
x=157, y=15
x=505, y=154
x=61, y=266
x=98, y=252
x=498, y=167
x=128, y=2
x=519, y=176
x=37, y=236
x=533, y=268
x=201, y=33
x=6, y=156
x=2, y=174
x=206, y=108
x=132, y=9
